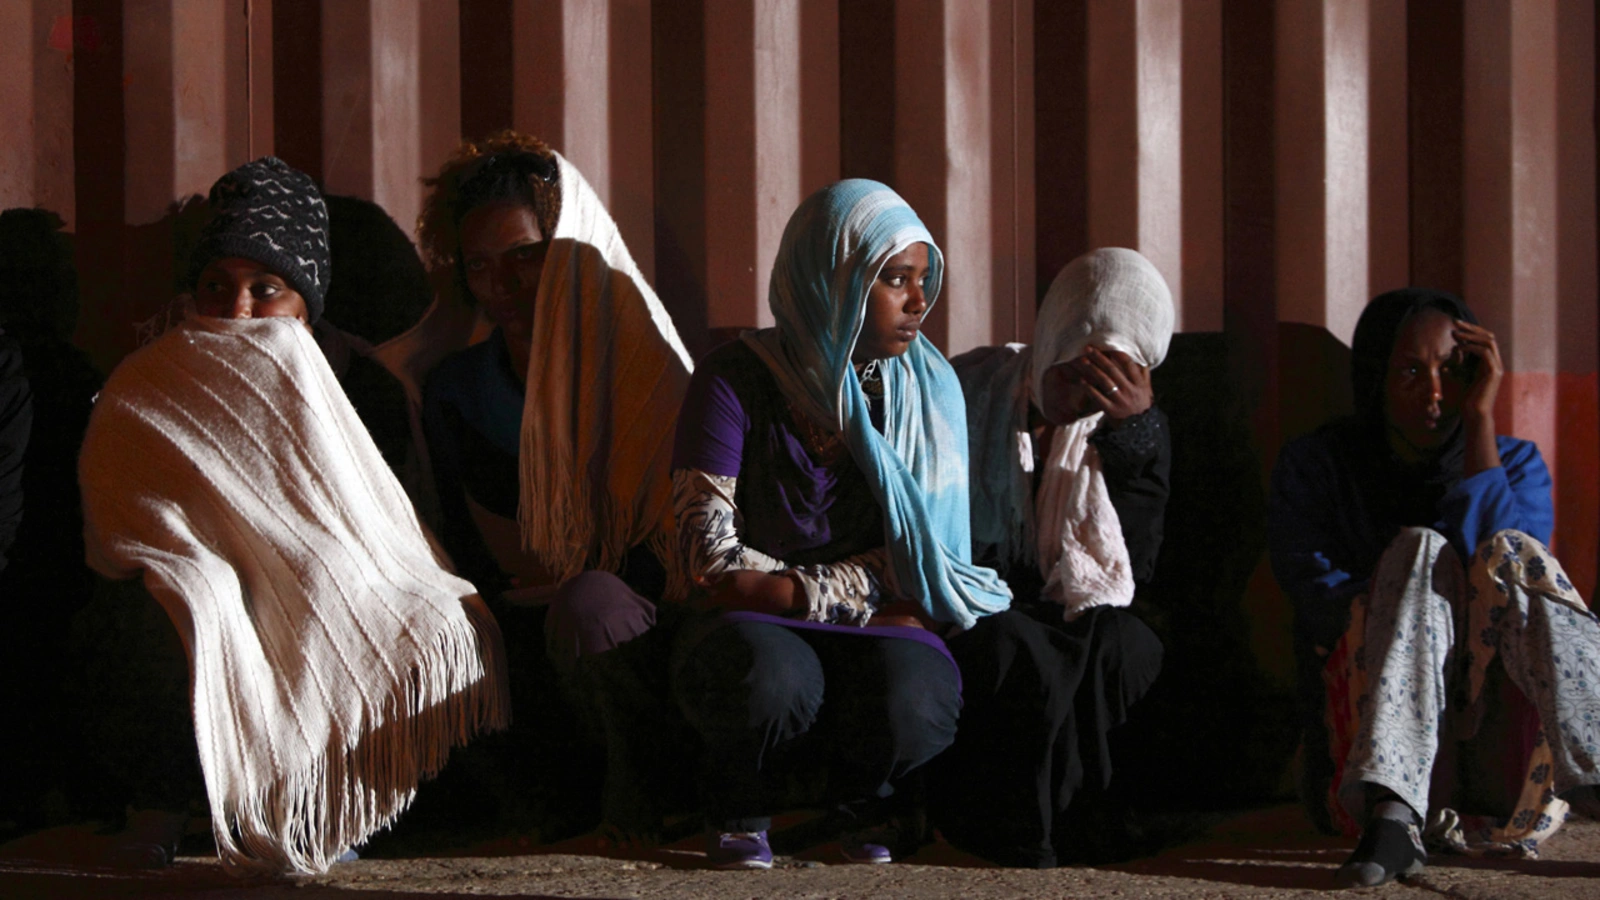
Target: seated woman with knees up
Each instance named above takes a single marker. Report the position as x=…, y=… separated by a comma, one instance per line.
x=549, y=444
x=334, y=661
x=549, y=441
x=1412, y=541
x=820, y=482
x=1070, y=463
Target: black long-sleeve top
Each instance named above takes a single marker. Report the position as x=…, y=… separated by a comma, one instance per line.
x=16, y=422
x=1136, y=460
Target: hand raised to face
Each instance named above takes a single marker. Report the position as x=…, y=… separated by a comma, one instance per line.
x=1479, y=354
x=1098, y=380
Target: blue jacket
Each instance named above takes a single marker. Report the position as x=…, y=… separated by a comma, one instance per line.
x=1325, y=543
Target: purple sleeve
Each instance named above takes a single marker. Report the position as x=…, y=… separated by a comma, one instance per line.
x=711, y=426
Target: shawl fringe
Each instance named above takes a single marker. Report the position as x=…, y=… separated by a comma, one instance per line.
x=603, y=390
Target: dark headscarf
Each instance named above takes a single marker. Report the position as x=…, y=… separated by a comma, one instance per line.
x=1398, y=492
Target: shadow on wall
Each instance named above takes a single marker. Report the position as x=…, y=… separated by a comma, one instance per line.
x=1313, y=379
x=1219, y=729
x=130, y=277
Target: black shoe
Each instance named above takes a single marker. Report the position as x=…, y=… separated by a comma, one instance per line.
x=1388, y=849
x=1585, y=801
x=1315, y=776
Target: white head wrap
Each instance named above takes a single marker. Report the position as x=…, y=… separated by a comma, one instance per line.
x=1113, y=298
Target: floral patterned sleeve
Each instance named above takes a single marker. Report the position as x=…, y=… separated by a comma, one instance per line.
x=845, y=592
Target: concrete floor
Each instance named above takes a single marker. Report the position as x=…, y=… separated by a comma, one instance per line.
x=1263, y=853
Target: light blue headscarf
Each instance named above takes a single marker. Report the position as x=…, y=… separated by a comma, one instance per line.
x=834, y=246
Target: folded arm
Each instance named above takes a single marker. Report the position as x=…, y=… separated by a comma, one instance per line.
x=845, y=592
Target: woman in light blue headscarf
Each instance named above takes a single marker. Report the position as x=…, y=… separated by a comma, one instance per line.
x=820, y=483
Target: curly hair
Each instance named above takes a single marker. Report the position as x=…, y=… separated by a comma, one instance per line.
x=504, y=167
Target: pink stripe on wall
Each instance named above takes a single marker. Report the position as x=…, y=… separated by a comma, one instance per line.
x=1577, y=475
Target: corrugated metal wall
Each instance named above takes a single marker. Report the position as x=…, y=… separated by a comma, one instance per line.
x=1281, y=162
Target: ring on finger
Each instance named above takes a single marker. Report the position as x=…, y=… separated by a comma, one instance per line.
x=1114, y=389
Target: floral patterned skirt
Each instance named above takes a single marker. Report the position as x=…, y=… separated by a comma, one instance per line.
x=1410, y=672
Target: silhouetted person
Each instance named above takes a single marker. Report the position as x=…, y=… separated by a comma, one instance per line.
x=381, y=291
x=16, y=419
x=45, y=580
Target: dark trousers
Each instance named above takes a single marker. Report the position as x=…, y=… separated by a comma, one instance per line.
x=128, y=688
x=611, y=647
x=769, y=701
x=1041, y=697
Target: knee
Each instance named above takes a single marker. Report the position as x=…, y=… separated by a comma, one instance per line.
x=1414, y=545
x=1006, y=647
x=591, y=613
x=922, y=702
x=784, y=683
x=1131, y=654
x=1010, y=665
x=1010, y=637
x=1508, y=540
x=1415, y=539
x=750, y=675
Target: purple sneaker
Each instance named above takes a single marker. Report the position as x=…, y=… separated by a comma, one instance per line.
x=738, y=850
x=865, y=852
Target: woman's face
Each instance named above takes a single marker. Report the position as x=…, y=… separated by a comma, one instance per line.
x=1066, y=397
x=895, y=304
x=238, y=288
x=503, y=251
x=1425, y=384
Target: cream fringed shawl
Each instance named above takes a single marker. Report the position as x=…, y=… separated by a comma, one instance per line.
x=605, y=380
x=334, y=660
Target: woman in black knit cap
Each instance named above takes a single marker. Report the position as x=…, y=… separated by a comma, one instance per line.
x=329, y=659
x=262, y=253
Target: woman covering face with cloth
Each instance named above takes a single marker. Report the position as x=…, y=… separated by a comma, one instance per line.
x=1070, y=462
x=334, y=660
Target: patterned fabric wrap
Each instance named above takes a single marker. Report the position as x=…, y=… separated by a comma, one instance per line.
x=1112, y=297
x=842, y=592
x=272, y=213
x=1434, y=636
x=833, y=248
x=607, y=374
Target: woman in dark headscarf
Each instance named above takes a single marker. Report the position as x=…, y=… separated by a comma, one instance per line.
x=1404, y=531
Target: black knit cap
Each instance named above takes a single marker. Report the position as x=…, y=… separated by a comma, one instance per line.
x=272, y=213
